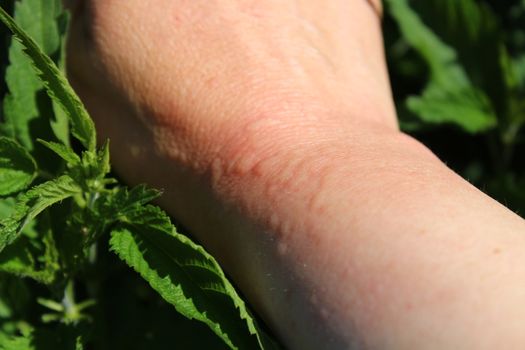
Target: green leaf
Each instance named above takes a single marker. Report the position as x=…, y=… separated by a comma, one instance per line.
x=57, y=86
x=137, y=196
x=133, y=305
x=78, y=345
x=94, y=166
x=33, y=258
x=101, y=163
x=472, y=29
x=17, y=259
x=26, y=101
x=515, y=80
x=468, y=108
x=7, y=206
x=110, y=206
x=17, y=343
x=519, y=70
x=63, y=151
x=449, y=97
x=59, y=338
x=60, y=122
x=15, y=298
x=120, y=201
x=185, y=275
x=32, y=203
x=17, y=167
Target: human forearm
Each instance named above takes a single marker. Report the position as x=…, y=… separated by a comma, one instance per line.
x=343, y=233
x=370, y=236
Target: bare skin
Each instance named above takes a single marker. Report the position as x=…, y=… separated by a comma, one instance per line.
x=271, y=127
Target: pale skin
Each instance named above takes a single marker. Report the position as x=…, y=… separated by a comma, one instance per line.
x=271, y=128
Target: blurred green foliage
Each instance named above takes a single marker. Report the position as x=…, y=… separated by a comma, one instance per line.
x=458, y=77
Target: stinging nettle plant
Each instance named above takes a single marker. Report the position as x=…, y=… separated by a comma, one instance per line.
x=60, y=209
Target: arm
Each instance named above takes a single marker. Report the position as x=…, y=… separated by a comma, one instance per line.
x=271, y=127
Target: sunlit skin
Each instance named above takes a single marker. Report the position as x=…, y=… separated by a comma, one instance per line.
x=271, y=128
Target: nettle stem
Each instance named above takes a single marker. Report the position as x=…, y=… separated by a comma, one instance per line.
x=70, y=309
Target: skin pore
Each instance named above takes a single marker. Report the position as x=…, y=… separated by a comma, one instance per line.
x=271, y=128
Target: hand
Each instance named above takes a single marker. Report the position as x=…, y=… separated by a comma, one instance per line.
x=181, y=81
x=200, y=67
